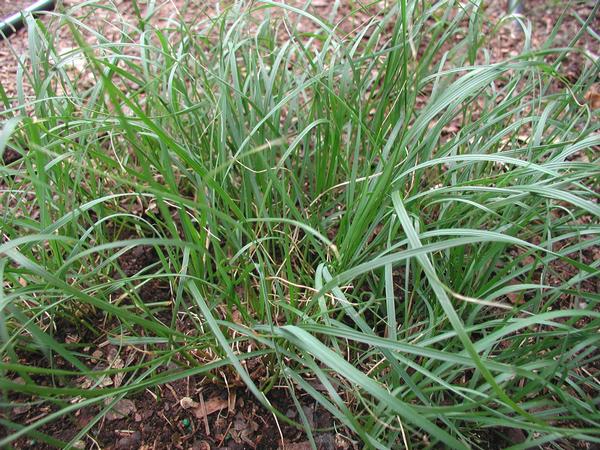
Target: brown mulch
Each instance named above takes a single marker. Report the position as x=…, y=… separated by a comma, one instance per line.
x=192, y=413
x=138, y=259
x=9, y=48
x=508, y=42
x=188, y=414
x=10, y=7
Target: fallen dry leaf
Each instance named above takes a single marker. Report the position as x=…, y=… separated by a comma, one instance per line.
x=231, y=402
x=121, y=409
x=593, y=96
x=21, y=409
x=298, y=446
x=210, y=406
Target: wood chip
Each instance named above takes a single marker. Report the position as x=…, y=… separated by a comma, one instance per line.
x=593, y=96
x=298, y=446
x=231, y=401
x=121, y=409
x=211, y=406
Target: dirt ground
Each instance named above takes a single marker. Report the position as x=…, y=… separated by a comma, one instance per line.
x=9, y=7
x=191, y=413
x=542, y=13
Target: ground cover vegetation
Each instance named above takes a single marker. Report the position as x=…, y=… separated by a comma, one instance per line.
x=385, y=219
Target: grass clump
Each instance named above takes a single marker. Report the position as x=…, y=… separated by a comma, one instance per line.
x=384, y=209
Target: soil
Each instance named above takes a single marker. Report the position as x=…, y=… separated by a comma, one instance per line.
x=188, y=414
x=137, y=259
x=10, y=7
x=10, y=156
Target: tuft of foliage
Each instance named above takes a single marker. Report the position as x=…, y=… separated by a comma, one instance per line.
x=388, y=211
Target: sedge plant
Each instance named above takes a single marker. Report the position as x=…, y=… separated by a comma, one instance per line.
x=368, y=200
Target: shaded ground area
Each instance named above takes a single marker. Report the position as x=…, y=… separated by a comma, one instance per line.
x=190, y=415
